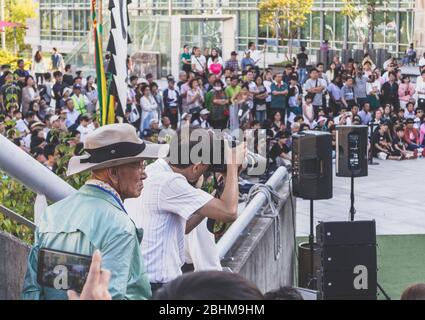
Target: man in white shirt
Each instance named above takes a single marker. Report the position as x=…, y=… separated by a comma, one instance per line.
x=71, y=114
x=170, y=206
x=199, y=63
x=256, y=55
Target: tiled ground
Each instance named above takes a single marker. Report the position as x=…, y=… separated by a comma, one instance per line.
x=393, y=194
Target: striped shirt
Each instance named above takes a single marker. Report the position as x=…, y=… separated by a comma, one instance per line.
x=166, y=203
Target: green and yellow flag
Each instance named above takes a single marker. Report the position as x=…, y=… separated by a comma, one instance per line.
x=106, y=101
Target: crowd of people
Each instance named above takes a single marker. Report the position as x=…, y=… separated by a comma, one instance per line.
x=40, y=104
x=41, y=109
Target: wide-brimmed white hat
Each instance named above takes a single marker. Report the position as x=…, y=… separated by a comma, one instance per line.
x=204, y=112
x=113, y=145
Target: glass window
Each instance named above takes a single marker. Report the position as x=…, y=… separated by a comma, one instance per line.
x=253, y=23
x=391, y=28
x=329, y=31
x=315, y=24
x=243, y=23
x=339, y=26
x=379, y=27
x=406, y=23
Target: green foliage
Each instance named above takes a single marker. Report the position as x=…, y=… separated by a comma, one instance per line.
x=18, y=11
x=15, y=196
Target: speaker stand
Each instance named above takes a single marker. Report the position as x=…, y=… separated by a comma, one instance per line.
x=312, y=281
x=352, y=209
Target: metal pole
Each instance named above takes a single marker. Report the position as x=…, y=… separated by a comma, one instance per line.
x=3, y=34
x=352, y=209
x=15, y=162
x=311, y=283
x=250, y=211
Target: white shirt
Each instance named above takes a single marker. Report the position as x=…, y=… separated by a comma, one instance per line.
x=268, y=85
x=420, y=87
x=256, y=55
x=21, y=126
x=201, y=249
x=85, y=131
x=71, y=117
x=421, y=62
x=199, y=62
x=166, y=203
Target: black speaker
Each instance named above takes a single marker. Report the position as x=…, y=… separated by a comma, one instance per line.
x=312, y=165
x=348, y=260
x=351, y=151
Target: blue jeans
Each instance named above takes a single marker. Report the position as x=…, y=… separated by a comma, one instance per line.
x=302, y=75
x=260, y=115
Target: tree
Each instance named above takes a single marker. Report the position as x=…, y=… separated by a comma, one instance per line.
x=285, y=17
x=18, y=11
x=360, y=13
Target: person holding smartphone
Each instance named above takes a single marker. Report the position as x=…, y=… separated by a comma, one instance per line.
x=95, y=218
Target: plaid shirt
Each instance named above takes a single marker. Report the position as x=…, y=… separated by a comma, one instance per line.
x=232, y=64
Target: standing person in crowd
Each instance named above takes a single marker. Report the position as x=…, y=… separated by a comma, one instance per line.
x=171, y=98
x=373, y=90
x=279, y=93
x=149, y=108
x=199, y=64
x=332, y=72
x=21, y=74
x=92, y=95
x=38, y=67
x=216, y=60
x=294, y=97
x=302, y=59
x=389, y=92
x=420, y=90
x=219, y=112
x=232, y=93
x=233, y=63
x=30, y=94
x=157, y=95
x=85, y=126
x=365, y=114
x=68, y=77
x=315, y=86
x=186, y=59
x=256, y=55
x=195, y=98
x=360, y=91
x=58, y=88
x=308, y=111
x=348, y=98
x=95, y=217
x=334, y=89
x=405, y=91
x=164, y=222
x=260, y=100
x=57, y=61
x=247, y=61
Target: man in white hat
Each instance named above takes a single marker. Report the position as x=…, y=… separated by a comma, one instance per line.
x=203, y=120
x=94, y=218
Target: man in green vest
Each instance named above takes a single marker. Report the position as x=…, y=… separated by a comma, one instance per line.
x=80, y=100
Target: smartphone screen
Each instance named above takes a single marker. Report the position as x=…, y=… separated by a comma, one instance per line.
x=62, y=270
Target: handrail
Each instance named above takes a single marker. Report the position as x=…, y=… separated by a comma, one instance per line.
x=16, y=217
x=250, y=211
x=17, y=163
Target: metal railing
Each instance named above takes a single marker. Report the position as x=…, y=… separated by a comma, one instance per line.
x=253, y=208
x=16, y=217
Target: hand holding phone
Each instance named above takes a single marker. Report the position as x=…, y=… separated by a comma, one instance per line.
x=62, y=270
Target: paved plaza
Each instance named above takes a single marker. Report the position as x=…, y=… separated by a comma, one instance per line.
x=393, y=195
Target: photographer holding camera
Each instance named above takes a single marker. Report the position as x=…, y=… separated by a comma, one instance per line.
x=170, y=205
